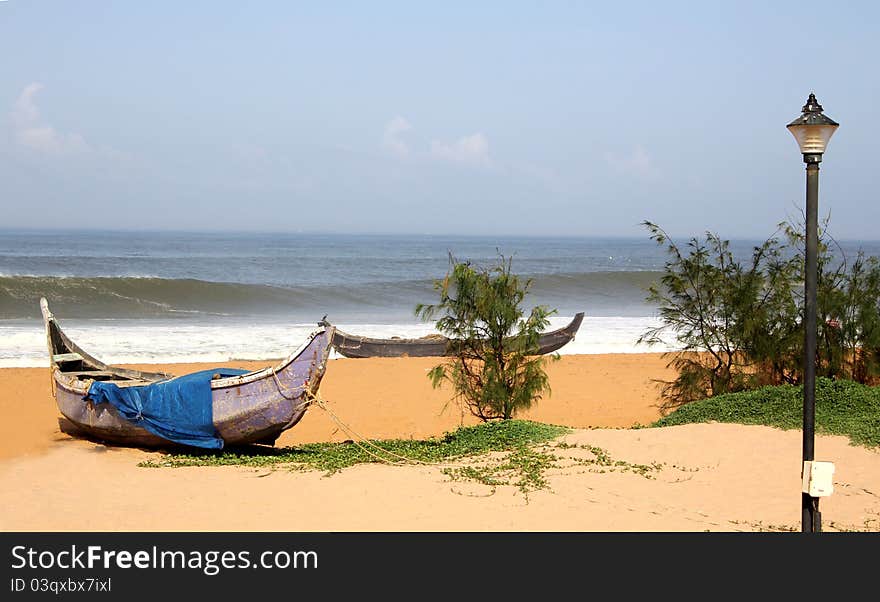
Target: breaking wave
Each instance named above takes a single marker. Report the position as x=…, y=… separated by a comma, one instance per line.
x=148, y=297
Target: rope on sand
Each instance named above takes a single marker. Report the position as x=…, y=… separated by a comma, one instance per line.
x=355, y=437
x=310, y=398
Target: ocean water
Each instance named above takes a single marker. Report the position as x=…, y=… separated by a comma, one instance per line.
x=173, y=297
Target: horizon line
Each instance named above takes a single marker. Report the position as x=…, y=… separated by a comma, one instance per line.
x=316, y=232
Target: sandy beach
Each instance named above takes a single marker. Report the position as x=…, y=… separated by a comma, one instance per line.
x=710, y=477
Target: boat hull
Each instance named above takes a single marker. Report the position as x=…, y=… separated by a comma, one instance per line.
x=355, y=346
x=254, y=407
x=251, y=410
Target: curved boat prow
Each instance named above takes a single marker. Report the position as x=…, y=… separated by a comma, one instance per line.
x=47, y=319
x=575, y=324
x=44, y=307
x=553, y=341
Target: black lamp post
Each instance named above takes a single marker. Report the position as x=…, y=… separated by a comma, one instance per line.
x=812, y=130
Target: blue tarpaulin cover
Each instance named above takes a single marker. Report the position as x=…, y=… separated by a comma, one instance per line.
x=178, y=409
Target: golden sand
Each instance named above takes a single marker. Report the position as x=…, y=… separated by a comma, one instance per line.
x=716, y=477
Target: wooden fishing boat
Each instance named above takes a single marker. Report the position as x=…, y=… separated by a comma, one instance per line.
x=250, y=408
x=351, y=345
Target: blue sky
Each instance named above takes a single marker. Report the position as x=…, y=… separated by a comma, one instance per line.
x=568, y=118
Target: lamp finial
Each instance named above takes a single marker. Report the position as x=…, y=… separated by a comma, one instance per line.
x=812, y=105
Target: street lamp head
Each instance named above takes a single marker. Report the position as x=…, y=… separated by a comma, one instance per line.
x=812, y=129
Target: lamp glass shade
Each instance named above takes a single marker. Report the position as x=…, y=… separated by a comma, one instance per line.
x=812, y=137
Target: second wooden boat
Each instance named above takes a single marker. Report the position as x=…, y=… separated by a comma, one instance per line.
x=351, y=345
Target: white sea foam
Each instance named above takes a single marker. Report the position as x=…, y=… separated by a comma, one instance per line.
x=131, y=342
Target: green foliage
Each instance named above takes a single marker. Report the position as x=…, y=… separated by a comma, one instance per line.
x=493, y=366
x=843, y=407
x=500, y=436
x=723, y=314
x=514, y=453
x=523, y=467
x=738, y=324
x=848, y=313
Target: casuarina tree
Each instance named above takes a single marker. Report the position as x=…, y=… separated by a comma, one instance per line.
x=492, y=362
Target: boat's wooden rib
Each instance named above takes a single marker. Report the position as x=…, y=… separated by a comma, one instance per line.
x=252, y=408
x=356, y=346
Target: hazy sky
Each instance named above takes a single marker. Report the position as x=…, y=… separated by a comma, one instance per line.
x=570, y=118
